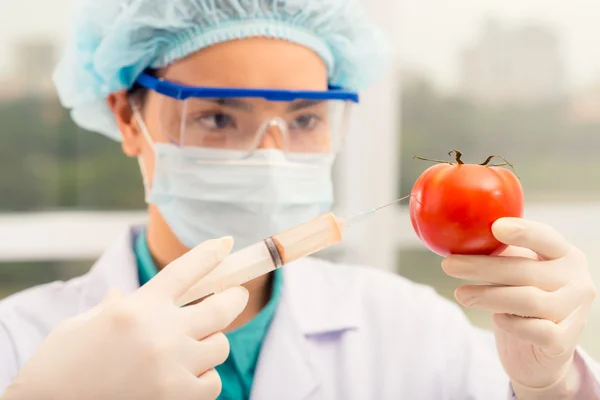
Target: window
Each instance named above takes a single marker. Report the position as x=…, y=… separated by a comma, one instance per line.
x=516, y=79
x=520, y=79
x=55, y=177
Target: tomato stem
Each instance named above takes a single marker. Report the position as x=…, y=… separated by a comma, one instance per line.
x=487, y=162
x=432, y=160
x=458, y=159
x=457, y=156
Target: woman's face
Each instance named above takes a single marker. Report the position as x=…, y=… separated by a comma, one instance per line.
x=249, y=63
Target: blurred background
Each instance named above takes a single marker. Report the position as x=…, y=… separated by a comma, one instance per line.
x=517, y=79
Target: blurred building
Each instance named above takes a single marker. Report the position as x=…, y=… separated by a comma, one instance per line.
x=514, y=65
x=585, y=106
x=9, y=89
x=35, y=61
x=413, y=79
x=31, y=73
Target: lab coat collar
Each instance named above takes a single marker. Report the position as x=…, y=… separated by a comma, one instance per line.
x=285, y=354
x=320, y=301
x=115, y=269
x=313, y=306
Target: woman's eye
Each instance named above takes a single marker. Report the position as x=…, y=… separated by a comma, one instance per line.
x=216, y=121
x=305, y=122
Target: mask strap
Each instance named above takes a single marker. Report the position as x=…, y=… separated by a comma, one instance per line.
x=146, y=134
x=138, y=117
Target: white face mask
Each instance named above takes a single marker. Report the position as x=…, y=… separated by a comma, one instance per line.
x=249, y=199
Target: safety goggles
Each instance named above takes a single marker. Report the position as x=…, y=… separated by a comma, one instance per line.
x=241, y=119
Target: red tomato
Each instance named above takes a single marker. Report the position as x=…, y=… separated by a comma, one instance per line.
x=453, y=206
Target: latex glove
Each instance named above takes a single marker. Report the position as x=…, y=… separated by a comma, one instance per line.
x=540, y=276
x=141, y=346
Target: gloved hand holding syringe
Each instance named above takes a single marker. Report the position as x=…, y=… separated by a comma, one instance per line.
x=274, y=252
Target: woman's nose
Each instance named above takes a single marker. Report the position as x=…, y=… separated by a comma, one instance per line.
x=273, y=137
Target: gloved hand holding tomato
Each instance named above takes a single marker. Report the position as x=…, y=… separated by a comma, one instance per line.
x=535, y=282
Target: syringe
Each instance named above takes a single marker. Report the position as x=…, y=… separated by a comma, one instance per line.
x=274, y=252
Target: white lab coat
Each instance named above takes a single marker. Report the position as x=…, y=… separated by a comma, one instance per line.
x=340, y=333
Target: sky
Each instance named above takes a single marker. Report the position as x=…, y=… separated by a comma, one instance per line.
x=429, y=34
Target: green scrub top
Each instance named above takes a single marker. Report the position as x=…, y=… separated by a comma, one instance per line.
x=237, y=372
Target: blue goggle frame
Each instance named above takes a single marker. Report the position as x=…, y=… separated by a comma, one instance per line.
x=182, y=92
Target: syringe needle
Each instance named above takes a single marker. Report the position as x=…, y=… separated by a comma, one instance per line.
x=391, y=203
x=351, y=220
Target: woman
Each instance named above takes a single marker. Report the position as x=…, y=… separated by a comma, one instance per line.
x=235, y=110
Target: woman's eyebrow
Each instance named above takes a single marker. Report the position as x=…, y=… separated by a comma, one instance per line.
x=233, y=103
x=299, y=105
x=248, y=107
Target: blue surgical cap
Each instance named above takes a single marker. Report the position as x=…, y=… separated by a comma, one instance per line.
x=116, y=40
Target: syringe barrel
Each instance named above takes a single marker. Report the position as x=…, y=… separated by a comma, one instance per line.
x=308, y=238
x=236, y=269
x=266, y=256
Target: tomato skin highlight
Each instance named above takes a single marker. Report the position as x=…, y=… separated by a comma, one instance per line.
x=453, y=207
